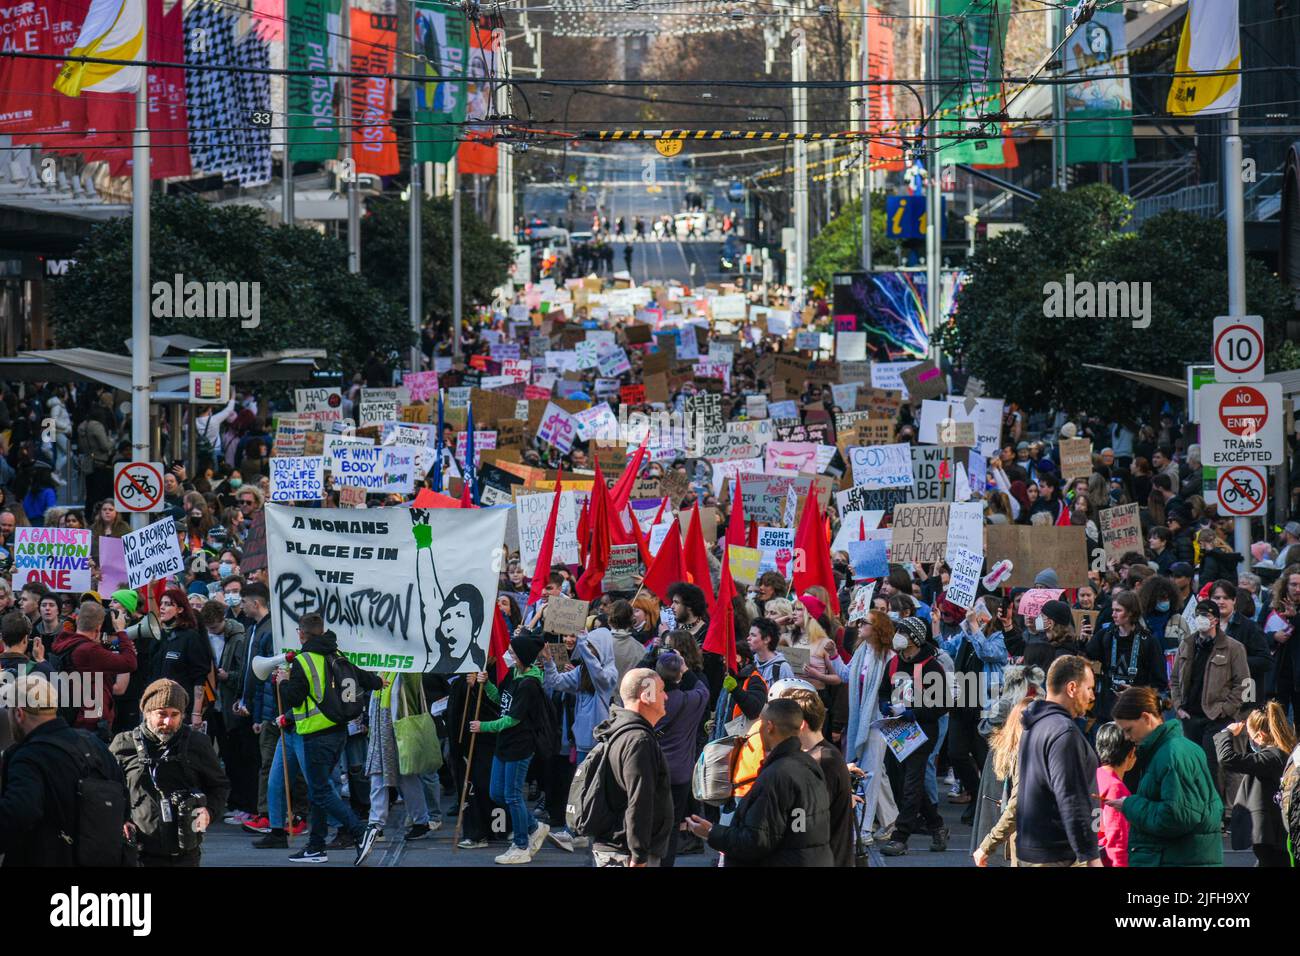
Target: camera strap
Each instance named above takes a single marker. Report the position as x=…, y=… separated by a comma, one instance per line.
x=142, y=750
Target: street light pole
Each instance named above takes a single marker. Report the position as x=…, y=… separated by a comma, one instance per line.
x=349, y=159
x=140, y=344
x=1234, y=213
x=799, y=71
x=933, y=201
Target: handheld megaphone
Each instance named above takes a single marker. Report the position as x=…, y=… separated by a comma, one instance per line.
x=263, y=667
x=146, y=627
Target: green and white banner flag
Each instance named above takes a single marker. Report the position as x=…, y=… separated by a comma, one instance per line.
x=313, y=42
x=441, y=38
x=972, y=37
x=1099, y=109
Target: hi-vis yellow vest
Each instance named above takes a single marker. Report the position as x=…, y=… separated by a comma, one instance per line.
x=307, y=718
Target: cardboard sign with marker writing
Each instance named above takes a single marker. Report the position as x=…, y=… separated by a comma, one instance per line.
x=924, y=380
x=620, y=572
x=1076, y=458
x=1032, y=548
x=565, y=616
x=956, y=434
x=656, y=387
x=559, y=656
x=637, y=334
x=920, y=533
x=875, y=431
x=797, y=657
x=881, y=402
x=1121, y=530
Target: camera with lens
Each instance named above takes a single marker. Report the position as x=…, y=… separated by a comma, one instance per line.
x=182, y=805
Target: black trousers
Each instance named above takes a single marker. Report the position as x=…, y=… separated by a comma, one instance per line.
x=1266, y=855
x=916, y=812
x=559, y=775
x=480, y=810
x=1201, y=731
x=243, y=761
x=193, y=858
x=681, y=809
x=967, y=748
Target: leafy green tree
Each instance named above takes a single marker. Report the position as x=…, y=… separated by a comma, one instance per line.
x=485, y=260
x=838, y=247
x=1002, y=334
x=307, y=297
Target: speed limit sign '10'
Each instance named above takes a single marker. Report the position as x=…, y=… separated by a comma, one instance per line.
x=1238, y=348
x=1243, y=491
x=138, y=486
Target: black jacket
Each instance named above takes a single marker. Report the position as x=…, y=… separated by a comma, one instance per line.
x=1258, y=652
x=1150, y=671
x=185, y=764
x=294, y=690
x=1260, y=782
x=930, y=701
x=839, y=788
x=186, y=658
x=785, y=819
x=1058, y=774
x=638, y=789
x=38, y=794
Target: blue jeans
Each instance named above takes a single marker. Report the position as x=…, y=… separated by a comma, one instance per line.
x=932, y=775
x=507, y=789
x=321, y=751
x=432, y=794
x=275, y=807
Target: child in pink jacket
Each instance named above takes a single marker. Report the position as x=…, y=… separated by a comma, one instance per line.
x=1116, y=755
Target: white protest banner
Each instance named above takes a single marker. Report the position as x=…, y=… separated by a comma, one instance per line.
x=334, y=442
x=658, y=534
x=851, y=346
x=152, y=553
x=319, y=404
x=587, y=353
x=846, y=395
x=298, y=479
x=890, y=375
x=882, y=466
x=533, y=511
x=458, y=397
x=756, y=406
x=965, y=529
x=780, y=322
x=612, y=362
x=722, y=470
x=733, y=306
x=861, y=604
x=562, y=361
x=786, y=409
x=597, y=422
x=967, y=566
x=557, y=428
x=379, y=470
x=379, y=405
x=403, y=589
x=58, y=558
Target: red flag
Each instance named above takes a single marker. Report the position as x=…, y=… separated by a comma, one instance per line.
x=642, y=545
x=862, y=528
x=499, y=643
x=589, y=585
x=736, y=522
x=1063, y=519
x=584, y=531
x=374, y=144
x=428, y=498
x=668, y=566
x=697, y=557
x=721, y=637
x=543, y=569
x=815, y=568
x=660, y=513
x=753, y=534
x=467, y=494
x=621, y=493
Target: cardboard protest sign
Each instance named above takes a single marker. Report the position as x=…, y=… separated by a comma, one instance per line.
x=924, y=380
x=565, y=616
x=351, y=497
x=965, y=529
x=920, y=533
x=874, y=431
x=1032, y=548
x=881, y=402
x=932, y=474
x=319, y=404
x=1121, y=530
x=379, y=405
x=152, y=553
x=1076, y=458
x=882, y=466
x=58, y=558
x=298, y=479
x=1084, y=618
x=621, y=571
x=797, y=657
x=406, y=589
x=889, y=376
x=533, y=511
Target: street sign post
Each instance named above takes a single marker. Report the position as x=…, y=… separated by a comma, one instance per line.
x=1239, y=348
x=138, y=486
x=1243, y=491
x=1241, y=424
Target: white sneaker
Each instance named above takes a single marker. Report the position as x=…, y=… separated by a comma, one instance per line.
x=563, y=839
x=537, y=838
x=238, y=818
x=435, y=824
x=516, y=854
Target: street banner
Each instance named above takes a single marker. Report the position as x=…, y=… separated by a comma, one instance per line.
x=441, y=44
x=1210, y=43
x=313, y=47
x=972, y=36
x=374, y=142
x=1099, y=109
x=405, y=589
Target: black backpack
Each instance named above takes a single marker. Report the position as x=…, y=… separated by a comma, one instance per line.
x=343, y=699
x=99, y=810
x=61, y=663
x=588, y=811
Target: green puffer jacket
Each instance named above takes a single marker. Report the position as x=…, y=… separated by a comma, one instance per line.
x=1176, y=816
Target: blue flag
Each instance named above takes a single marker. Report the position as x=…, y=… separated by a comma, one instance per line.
x=438, y=447
x=471, y=473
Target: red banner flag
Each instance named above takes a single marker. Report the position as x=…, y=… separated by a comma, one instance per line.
x=374, y=144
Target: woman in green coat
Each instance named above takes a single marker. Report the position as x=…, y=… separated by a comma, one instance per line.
x=1176, y=816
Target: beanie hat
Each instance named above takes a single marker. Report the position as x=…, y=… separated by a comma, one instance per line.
x=197, y=587
x=1058, y=612
x=914, y=629
x=1046, y=578
x=526, y=649
x=164, y=693
x=814, y=605
x=128, y=599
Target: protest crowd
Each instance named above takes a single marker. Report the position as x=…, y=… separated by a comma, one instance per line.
x=647, y=573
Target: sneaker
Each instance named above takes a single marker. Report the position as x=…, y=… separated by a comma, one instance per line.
x=342, y=840
x=365, y=844
x=955, y=790
x=272, y=840
x=939, y=840
x=516, y=854
x=468, y=844
x=894, y=848
x=435, y=824
x=308, y=855
x=563, y=839
x=238, y=818
x=257, y=825
x=379, y=837
x=959, y=798
x=418, y=831
x=537, y=838
x=581, y=843
x=299, y=827
x=950, y=778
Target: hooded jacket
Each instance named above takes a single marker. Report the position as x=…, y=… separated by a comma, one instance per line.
x=1176, y=816
x=596, y=655
x=523, y=704
x=294, y=691
x=637, y=789
x=785, y=819
x=87, y=656
x=1058, y=771
x=684, y=708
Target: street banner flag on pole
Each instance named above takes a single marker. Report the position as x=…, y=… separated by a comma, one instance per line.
x=1099, y=107
x=441, y=44
x=1211, y=42
x=815, y=568
x=113, y=30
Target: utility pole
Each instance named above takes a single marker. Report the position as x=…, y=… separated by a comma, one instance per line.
x=933, y=200
x=1234, y=213
x=349, y=160
x=505, y=159
x=415, y=263
x=453, y=171
x=866, y=147
x=799, y=73
x=141, y=383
